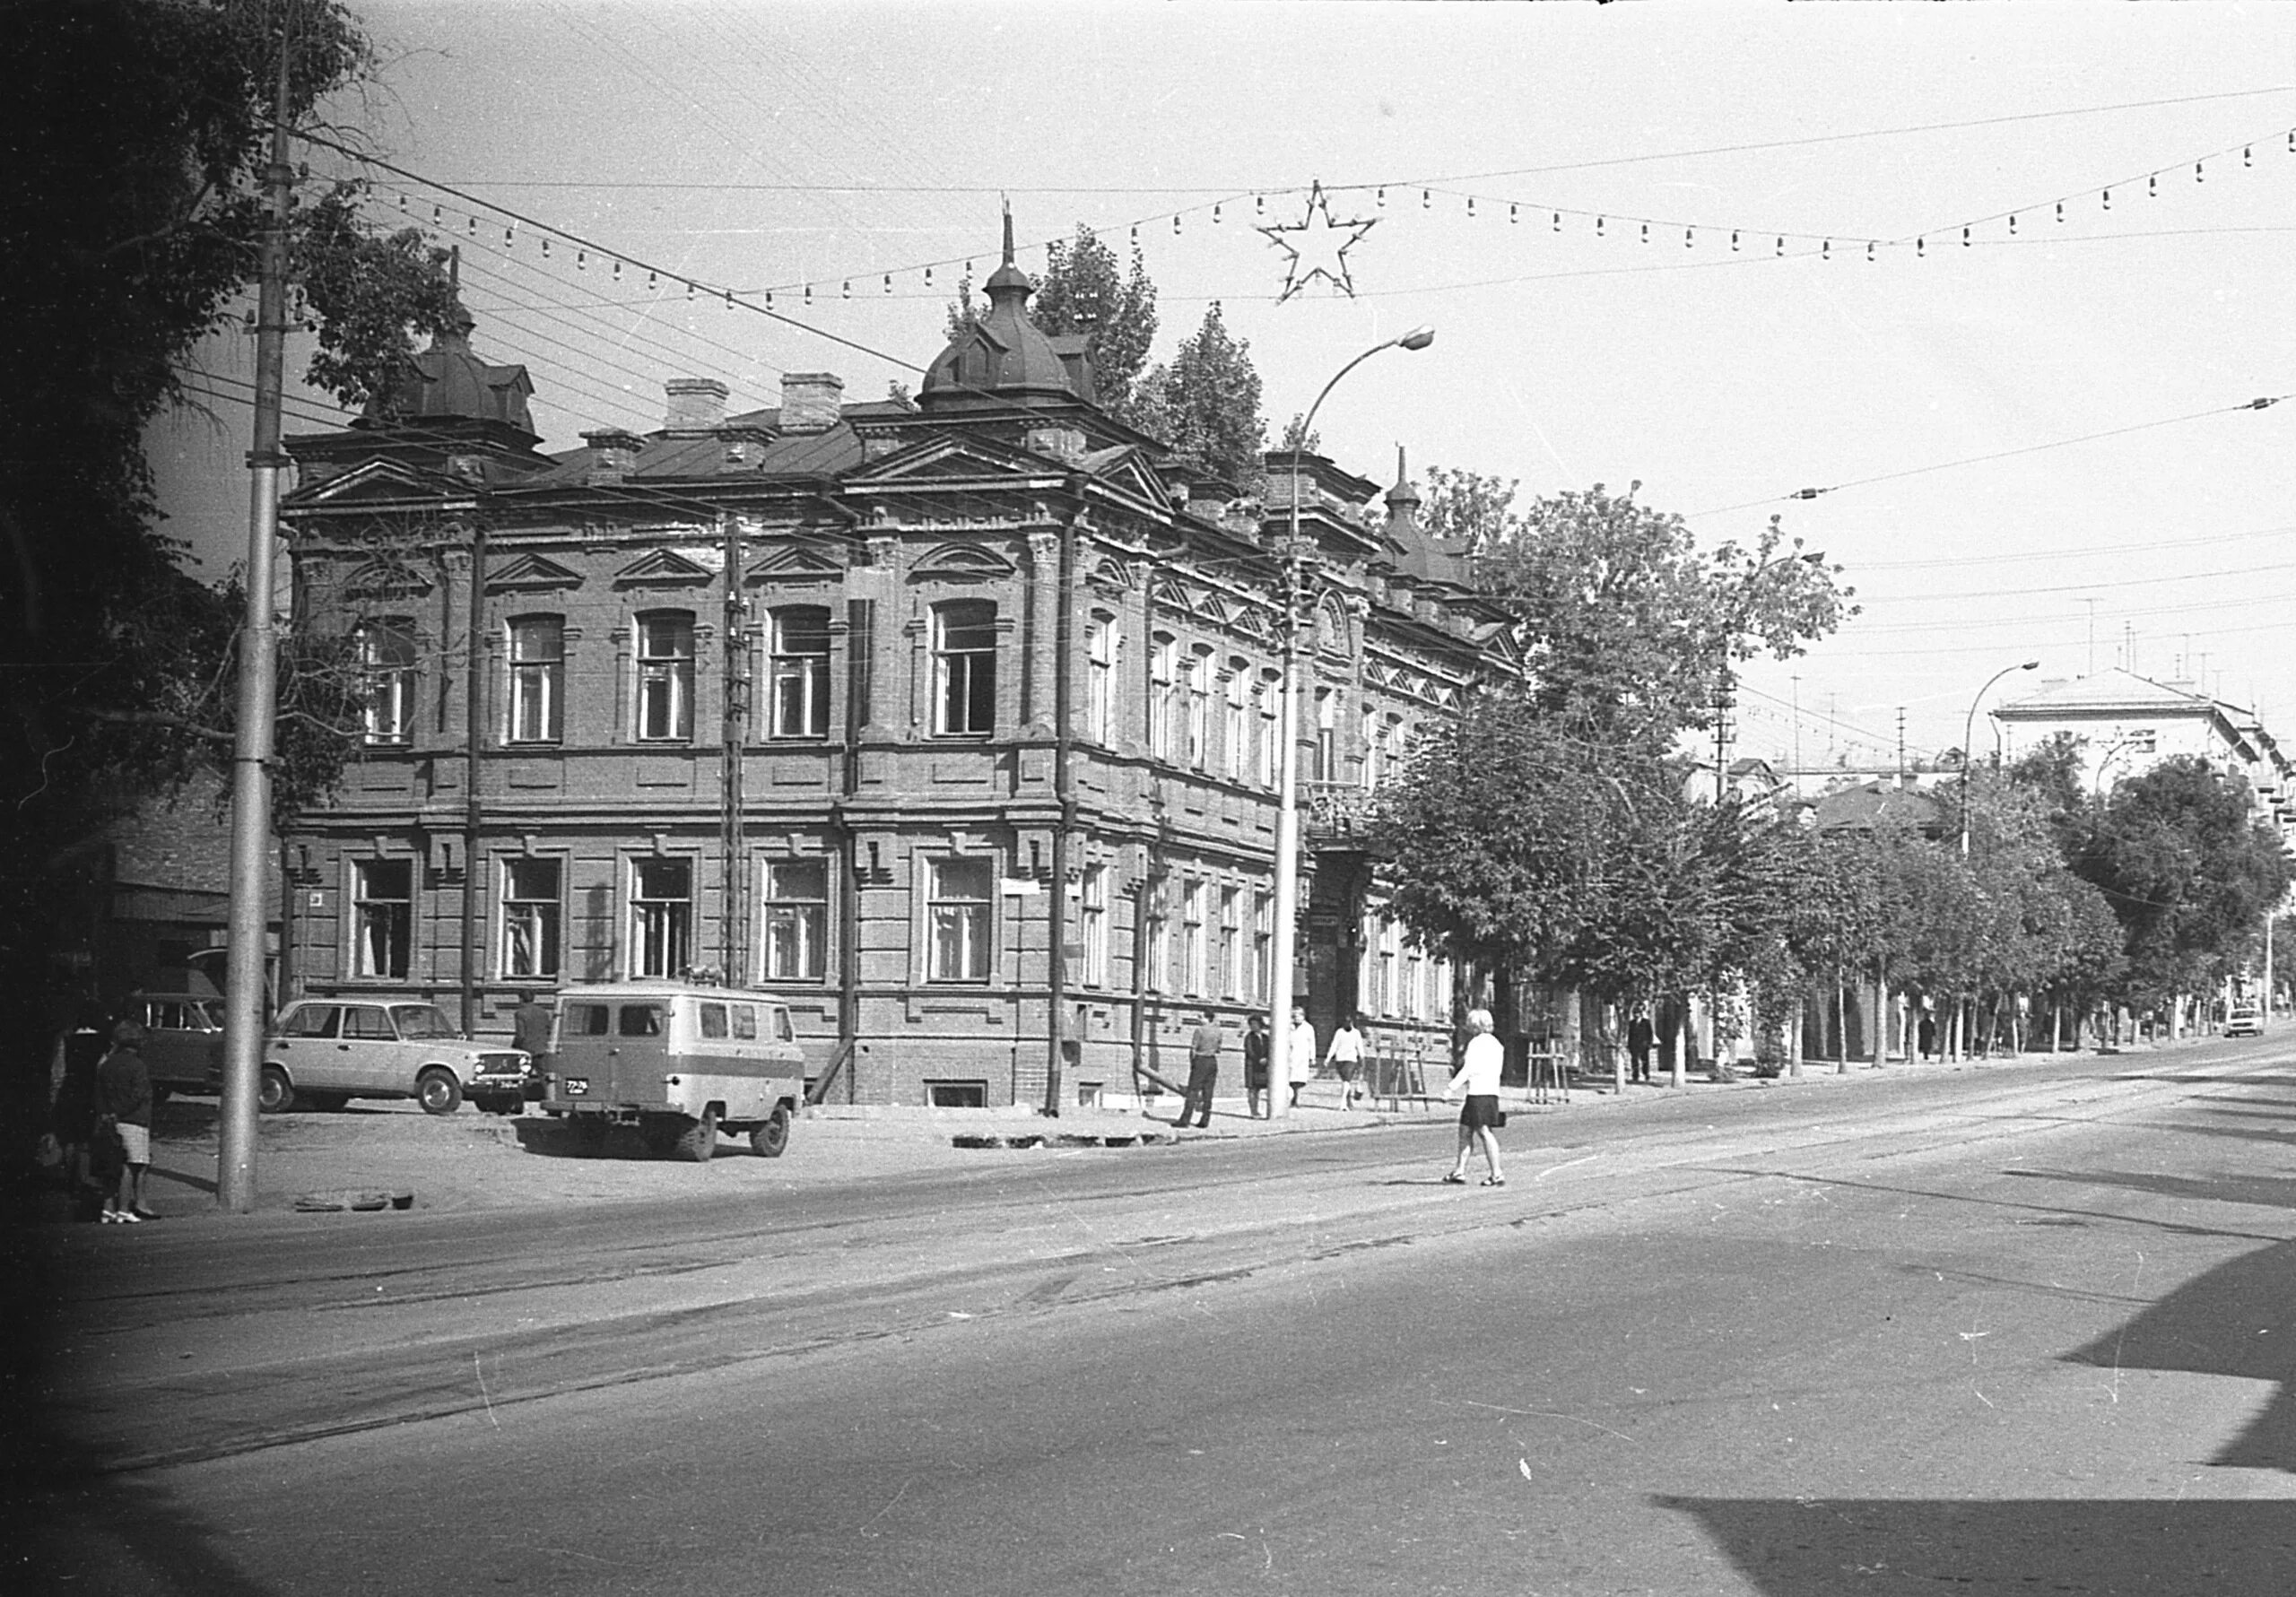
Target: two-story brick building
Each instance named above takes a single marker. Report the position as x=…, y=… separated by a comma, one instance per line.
x=946, y=719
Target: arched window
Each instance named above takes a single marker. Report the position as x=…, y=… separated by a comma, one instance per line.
x=964, y=668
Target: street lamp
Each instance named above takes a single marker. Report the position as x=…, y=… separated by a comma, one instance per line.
x=1969, y=731
x=1287, y=806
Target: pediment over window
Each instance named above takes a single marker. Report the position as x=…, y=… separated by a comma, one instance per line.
x=949, y=459
x=378, y=481
x=795, y=561
x=961, y=562
x=531, y=573
x=385, y=578
x=663, y=568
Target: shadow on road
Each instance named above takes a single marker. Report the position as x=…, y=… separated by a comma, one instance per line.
x=2239, y=1320
x=2270, y=1192
x=1824, y=1546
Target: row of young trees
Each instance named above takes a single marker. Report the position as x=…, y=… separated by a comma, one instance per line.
x=1558, y=829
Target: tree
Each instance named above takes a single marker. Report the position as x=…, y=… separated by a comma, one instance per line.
x=1468, y=510
x=1206, y=402
x=2189, y=871
x=371, y=295
x=153, y=120
x=1629, y=633
x=1082, y=292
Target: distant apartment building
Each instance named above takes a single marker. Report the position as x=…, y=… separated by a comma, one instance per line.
x=951, y=721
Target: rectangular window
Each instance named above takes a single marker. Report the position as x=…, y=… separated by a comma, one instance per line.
x=796, y=919
x=661, y=916
x=964, y=668
x=1101, y=651
x=383, y=918
x=537, y=679
x=1159, y=942
x=1199, y=710
x=1269, y=695
x=530, y=919
x=959, y=902
x=587, y=1020
x=1231, y=943
x=665, y=677
x=1163, y=691
x=712, y=1016
x=1093, y=915
x=1191, y=971
x=1326, y=736
x=798, y=670
x=744, y=1022
x=1263, y=944
x=1235, y=740
x=384, y=651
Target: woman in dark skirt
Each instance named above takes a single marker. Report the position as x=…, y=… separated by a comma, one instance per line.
x=1477, y=1082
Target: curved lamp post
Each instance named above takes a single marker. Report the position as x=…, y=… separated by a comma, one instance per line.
x=1969, y=731
x=1287, y=810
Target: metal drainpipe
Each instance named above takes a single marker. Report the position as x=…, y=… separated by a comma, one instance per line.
x=474, y=813
x=1064, y=791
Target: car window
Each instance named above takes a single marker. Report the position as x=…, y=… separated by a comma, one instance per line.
x=713, y=1019
x=312, y=1019
x=422, y=1021
x=586, y=1019
x=163, y=1016
x=744, y=1021
x=641, y=1020
x=366, y=1020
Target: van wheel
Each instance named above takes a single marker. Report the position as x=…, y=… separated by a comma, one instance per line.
x=770, y=1136
x=700, y=1139
x=439, y=1092
x=274, y=1092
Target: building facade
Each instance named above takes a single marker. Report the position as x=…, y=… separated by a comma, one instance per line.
x=952, y=722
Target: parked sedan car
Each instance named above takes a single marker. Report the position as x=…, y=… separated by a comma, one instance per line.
x=326, y=1051
x=183, y=1040
x=2246, y=1020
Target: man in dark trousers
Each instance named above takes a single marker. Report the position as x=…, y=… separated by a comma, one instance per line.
x=1205, y=1045
x=1639, y=1037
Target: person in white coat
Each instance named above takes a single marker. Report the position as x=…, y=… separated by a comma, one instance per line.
x=1300, y=1056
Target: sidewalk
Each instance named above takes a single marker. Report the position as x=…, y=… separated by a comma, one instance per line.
x=470, y=1161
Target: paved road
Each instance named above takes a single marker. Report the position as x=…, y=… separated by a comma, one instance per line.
x=2028, y=1331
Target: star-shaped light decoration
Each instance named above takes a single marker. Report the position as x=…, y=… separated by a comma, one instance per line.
x=1318, y=247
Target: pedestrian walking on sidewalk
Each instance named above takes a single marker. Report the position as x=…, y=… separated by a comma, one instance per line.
x=1477, y=1082
x=1345, y=1056
x=1300, y=1056
x=1205, y=1046
x=1638, y=1038
x=124, y=1097
x=1255, y=1052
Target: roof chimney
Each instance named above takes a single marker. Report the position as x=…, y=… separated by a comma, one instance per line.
x=811, y=401
x=613, y=452
x=697, y=404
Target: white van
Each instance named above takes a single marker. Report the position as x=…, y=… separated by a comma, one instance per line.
x=680, y=1062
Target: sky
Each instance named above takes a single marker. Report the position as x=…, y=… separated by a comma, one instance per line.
x=2033, y=444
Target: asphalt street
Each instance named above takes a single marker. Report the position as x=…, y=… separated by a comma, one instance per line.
x=2030, y=1330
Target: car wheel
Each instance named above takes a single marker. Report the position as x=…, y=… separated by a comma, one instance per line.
x=770, y=1137
x=274, y=1092
x=698, y=1140
x=437, y=1091
x=326, y=1103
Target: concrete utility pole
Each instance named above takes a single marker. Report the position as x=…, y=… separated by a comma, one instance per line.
x=734, y=917
x=251, y=744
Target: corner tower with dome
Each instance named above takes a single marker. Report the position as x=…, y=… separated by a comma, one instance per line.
x=952, y=721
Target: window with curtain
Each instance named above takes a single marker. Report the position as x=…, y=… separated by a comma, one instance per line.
x=382, y=918
x=1102, y=652
x=964, y=668
x=959, y=901
x=530, y=918
x=661, y=916
x=384, y=649
x=796, y=919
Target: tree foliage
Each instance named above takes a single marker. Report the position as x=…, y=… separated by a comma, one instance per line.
x=145, y=173
x=370, y=295
x=1206, y=403
x=1082, y=290
x=1467, y=509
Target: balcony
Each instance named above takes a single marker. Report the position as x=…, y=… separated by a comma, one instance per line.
x=1336, y=814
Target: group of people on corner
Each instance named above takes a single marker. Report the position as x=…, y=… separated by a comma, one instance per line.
x=102, y=1119
x=1477, y=1080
